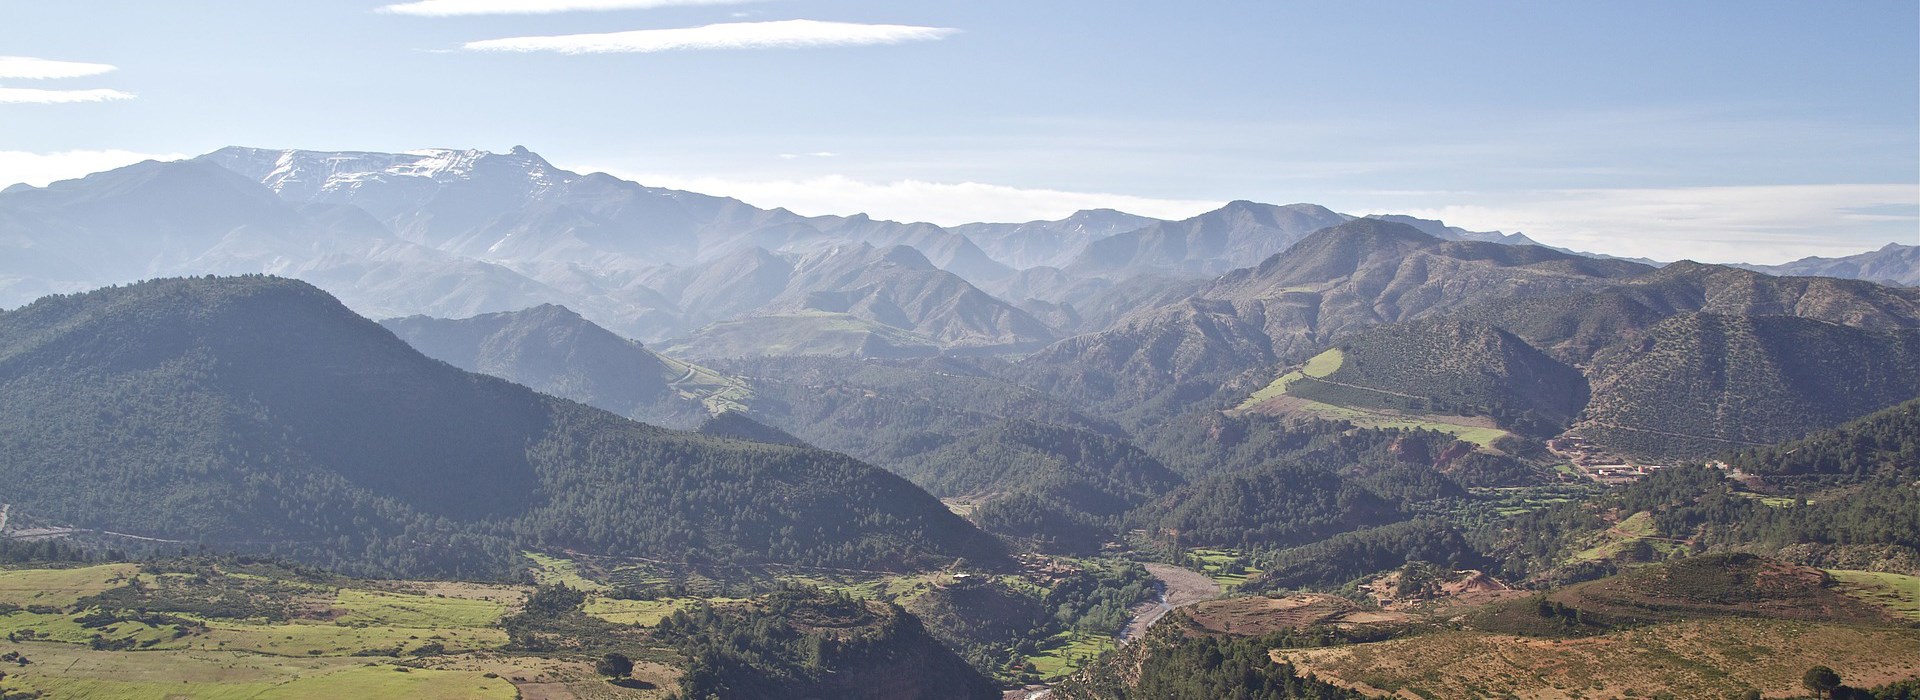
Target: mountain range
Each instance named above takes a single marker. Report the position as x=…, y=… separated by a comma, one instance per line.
x=1891, y=264
x=453, y=233
x=1075, y=348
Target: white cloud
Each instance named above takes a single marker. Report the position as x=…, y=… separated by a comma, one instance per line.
x=915, y=200
x=785, y=34
x=461, y=8
x=24, y=68
x=1757, y=224
x=38, y=169
x=58, y=97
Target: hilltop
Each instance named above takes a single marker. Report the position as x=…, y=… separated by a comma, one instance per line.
x=204, y=410
x=554, y=351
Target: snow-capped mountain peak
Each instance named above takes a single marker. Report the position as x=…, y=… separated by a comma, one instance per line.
x=300, y=175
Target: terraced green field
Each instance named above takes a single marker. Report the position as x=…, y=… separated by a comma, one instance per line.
x=1065, y=653
x=551, y=570
x=61, y=587
x=718, y=392
x=1321, y=365
x=1898, y=593
x=1477, y=431
x=1213, y=563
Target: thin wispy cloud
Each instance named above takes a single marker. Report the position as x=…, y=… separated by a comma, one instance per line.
x=462, y=8
x=25, y=68
x=32, y=96
x=784, y=34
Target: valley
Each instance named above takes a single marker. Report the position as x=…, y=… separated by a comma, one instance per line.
x=1175, y=588
x=864, y=350
x=1275, y=450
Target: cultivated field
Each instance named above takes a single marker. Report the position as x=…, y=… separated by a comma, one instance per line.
x=1275, y=399
x=1898, y=593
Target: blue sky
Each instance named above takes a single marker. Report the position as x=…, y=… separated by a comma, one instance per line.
x=1758, y=131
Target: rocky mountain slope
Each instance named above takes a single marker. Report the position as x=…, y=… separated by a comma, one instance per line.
x=1891, y=264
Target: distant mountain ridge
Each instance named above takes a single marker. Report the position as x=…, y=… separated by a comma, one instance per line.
x=554, y=351
x=1891, y=264
x=455, y=233
x=1050, y=243
x=1237, y=235
x=517, y=206
x=409, y=234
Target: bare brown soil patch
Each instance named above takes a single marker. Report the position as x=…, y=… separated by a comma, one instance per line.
x=1262, y=615
x=1693, y=659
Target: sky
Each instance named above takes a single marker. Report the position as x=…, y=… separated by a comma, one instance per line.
x=1755, y=131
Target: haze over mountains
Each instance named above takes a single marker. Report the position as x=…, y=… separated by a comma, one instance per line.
x=449, y=233
x=505, y=264
x=458, y=362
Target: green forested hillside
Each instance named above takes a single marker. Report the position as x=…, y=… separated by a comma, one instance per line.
x=554, y=351
x=1058, y=488
x=737, y=426
x=1856, y=523
x=1702, y=383
x=804, y=645
x=259, y=414
x=1038, y=469
x=1283, y=505
x=1083, y=470
x=1886, y=442
x=1152, y=363
x=885, y=411
x=1201, y=444
x=1342, y=558
x=1451, y=367
x=1575, y=327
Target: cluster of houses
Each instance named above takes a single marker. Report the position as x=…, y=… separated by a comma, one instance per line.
x=1597, y=464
